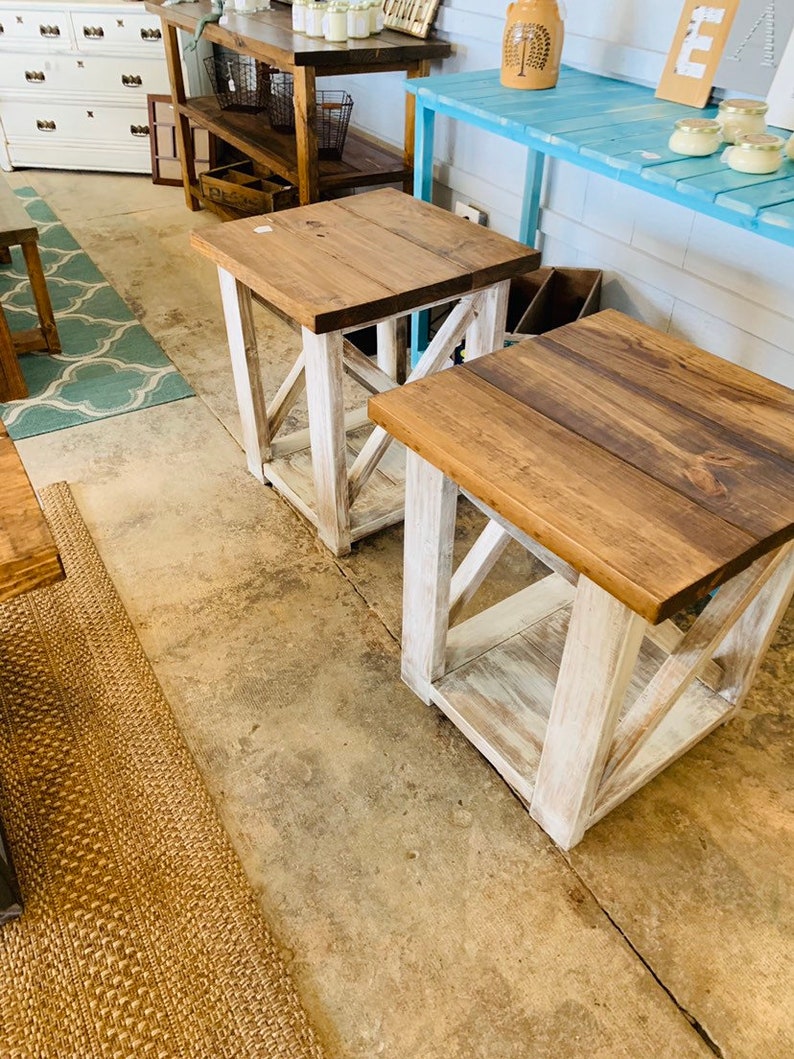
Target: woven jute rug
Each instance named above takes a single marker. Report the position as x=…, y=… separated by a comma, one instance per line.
x=140, y=936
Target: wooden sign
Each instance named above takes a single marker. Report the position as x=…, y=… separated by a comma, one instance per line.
x=410, y=16
x=696, y=51
x=755, y=47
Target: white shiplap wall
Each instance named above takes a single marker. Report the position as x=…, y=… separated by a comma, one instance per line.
x=725, y=289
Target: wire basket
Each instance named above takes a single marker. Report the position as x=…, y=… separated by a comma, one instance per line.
x=332, y=116
x=239, y=82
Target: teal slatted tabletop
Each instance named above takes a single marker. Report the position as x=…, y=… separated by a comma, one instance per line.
x=614, y=128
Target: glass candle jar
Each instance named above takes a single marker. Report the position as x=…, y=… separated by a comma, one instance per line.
x=741, y=117
x=375, y=16
x=756, y=153
x=335, y=23
x=314, y=20
x=790, y=147
x=299, y=16
x=695, y=137
x=358, y=21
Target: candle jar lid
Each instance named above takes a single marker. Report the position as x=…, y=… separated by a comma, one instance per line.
x=743, y=106
x=760, y=141
x=698, y=125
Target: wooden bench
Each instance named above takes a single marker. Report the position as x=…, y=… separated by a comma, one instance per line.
x=645, y=473
x=17, y=229
x=335, y=267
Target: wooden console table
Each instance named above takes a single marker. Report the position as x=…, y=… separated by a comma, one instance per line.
x=268, y=36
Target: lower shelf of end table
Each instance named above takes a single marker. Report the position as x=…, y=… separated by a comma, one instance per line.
x=502, y=667
x=381, y=502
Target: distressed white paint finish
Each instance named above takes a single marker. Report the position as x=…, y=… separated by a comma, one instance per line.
x=288, y=393
x=487, y=331
x=476, y=566
x=743, y=649
x=241, y=334
x=393, y=353
x=325, y=405
x=604, y=639
x=430, y=507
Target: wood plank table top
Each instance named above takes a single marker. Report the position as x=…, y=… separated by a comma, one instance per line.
x=28, y=555
x=334, y=265
x=651, y=466
x=268, y=35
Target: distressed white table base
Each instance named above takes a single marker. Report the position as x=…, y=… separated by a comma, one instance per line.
x=344, y=477
x=575, y=699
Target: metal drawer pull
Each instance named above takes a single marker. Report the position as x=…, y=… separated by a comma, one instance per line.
x=131, y=80
x=35, y=76
x=93, y=32
x=139, y=130
x=45, y=126
x=151, y=34
x=2, y=28
x=50, y=31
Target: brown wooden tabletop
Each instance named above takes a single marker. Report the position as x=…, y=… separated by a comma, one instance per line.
x=651, y=466
x=333, y=265
x=28, y=555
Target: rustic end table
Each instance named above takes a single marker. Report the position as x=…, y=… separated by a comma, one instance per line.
x=335, y=267
x=645, y=473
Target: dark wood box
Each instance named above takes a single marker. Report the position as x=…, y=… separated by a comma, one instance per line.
x=550, y=297
x=246, y=190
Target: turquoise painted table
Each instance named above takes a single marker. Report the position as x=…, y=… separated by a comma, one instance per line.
x=610, y=127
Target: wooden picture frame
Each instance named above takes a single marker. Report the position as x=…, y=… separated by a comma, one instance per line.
x=410, y=16
x=696, y=51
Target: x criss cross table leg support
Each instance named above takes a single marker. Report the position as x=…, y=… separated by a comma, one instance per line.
x=338, y=477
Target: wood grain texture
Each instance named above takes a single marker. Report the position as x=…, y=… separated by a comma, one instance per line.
x=591, y=450
x=28, y=555
x=368, y=257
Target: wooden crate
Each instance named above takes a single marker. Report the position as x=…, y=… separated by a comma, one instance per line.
x=550, y=297
x=246, y=190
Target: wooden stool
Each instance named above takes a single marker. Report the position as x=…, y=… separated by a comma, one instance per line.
x=17, y=229
x=644, y=473
x=335, y=267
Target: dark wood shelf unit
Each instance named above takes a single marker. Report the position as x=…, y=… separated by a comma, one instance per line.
x=363, y=163
x=268, y=36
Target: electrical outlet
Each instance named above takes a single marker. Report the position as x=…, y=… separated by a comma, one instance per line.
x=471, y=213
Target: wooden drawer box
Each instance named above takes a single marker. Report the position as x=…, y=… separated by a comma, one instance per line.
x=247, y=191
x=550, y=297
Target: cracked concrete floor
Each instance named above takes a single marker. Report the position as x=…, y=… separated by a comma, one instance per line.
x=424, y=914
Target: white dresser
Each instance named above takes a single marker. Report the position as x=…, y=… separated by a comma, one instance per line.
x=74, y=77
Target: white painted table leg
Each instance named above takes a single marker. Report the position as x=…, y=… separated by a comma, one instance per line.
x=238, y=313
x=487, y=333
x=430, y=507
x=392, y=355
x=325, y=403
x=601, y=649
x=743, y=649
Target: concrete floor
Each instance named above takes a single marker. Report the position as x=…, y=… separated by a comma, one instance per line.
x=424, y=914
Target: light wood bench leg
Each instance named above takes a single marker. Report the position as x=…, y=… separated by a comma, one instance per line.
x=430, y=508
x=325, y=403
x=12, y=383
x=238, y=313
x=41, y=296
x=601, y=648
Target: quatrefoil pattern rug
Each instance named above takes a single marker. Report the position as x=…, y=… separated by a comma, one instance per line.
x=109, y=363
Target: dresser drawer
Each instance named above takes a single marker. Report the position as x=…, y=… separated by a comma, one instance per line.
x=92, y=77
x=119, y=31
x=52, y=123
x=35, y=28
x=105, y=158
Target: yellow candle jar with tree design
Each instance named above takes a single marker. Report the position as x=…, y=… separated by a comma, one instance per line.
x=532, y=44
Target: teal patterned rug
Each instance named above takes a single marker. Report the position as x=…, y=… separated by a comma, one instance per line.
x=109, y=365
